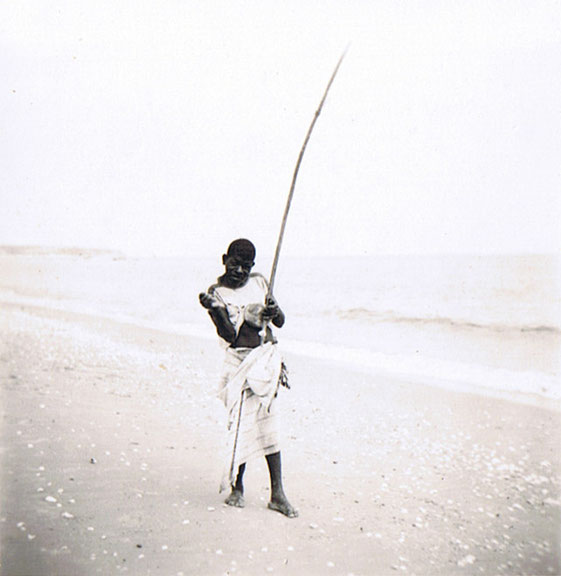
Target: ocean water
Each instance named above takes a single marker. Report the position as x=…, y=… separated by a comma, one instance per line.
x=478, y=323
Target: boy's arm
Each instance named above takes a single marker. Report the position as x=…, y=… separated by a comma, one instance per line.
x=274, y=313
x=223, y=325
x=272, y=310
x=219, y=316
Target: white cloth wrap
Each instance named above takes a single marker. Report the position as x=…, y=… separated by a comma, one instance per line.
x=235, y=300
x=255, y=374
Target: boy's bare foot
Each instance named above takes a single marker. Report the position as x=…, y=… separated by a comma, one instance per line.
x=235, y=499
x=282, y=505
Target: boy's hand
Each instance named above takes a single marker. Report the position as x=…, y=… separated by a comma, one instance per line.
x=208, y=301
x=272, y=309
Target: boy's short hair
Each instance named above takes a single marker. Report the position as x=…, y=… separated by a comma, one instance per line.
x=242, y=248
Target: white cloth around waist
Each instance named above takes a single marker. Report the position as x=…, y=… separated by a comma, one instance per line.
x=257, y=369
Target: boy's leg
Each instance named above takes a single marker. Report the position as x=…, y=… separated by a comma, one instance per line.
x=235, y=497
x=279, y=501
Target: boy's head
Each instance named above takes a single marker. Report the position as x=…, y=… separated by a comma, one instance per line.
x=243, y=249
x=238, y=260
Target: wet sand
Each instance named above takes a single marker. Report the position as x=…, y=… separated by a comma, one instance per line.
x=109, y=456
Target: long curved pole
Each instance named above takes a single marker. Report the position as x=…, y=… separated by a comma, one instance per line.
x=295, y=175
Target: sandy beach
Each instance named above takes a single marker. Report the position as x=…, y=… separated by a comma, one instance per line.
x=111, y=436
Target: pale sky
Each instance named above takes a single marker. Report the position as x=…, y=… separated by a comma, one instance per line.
x=172, y=127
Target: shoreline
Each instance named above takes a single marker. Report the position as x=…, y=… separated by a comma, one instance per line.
x=375, y=364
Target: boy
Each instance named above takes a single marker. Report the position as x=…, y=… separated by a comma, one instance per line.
x=253, y=370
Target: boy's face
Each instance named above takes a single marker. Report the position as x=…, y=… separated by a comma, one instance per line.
x=237, y=270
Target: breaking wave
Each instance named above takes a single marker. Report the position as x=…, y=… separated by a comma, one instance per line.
x=371, y=316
